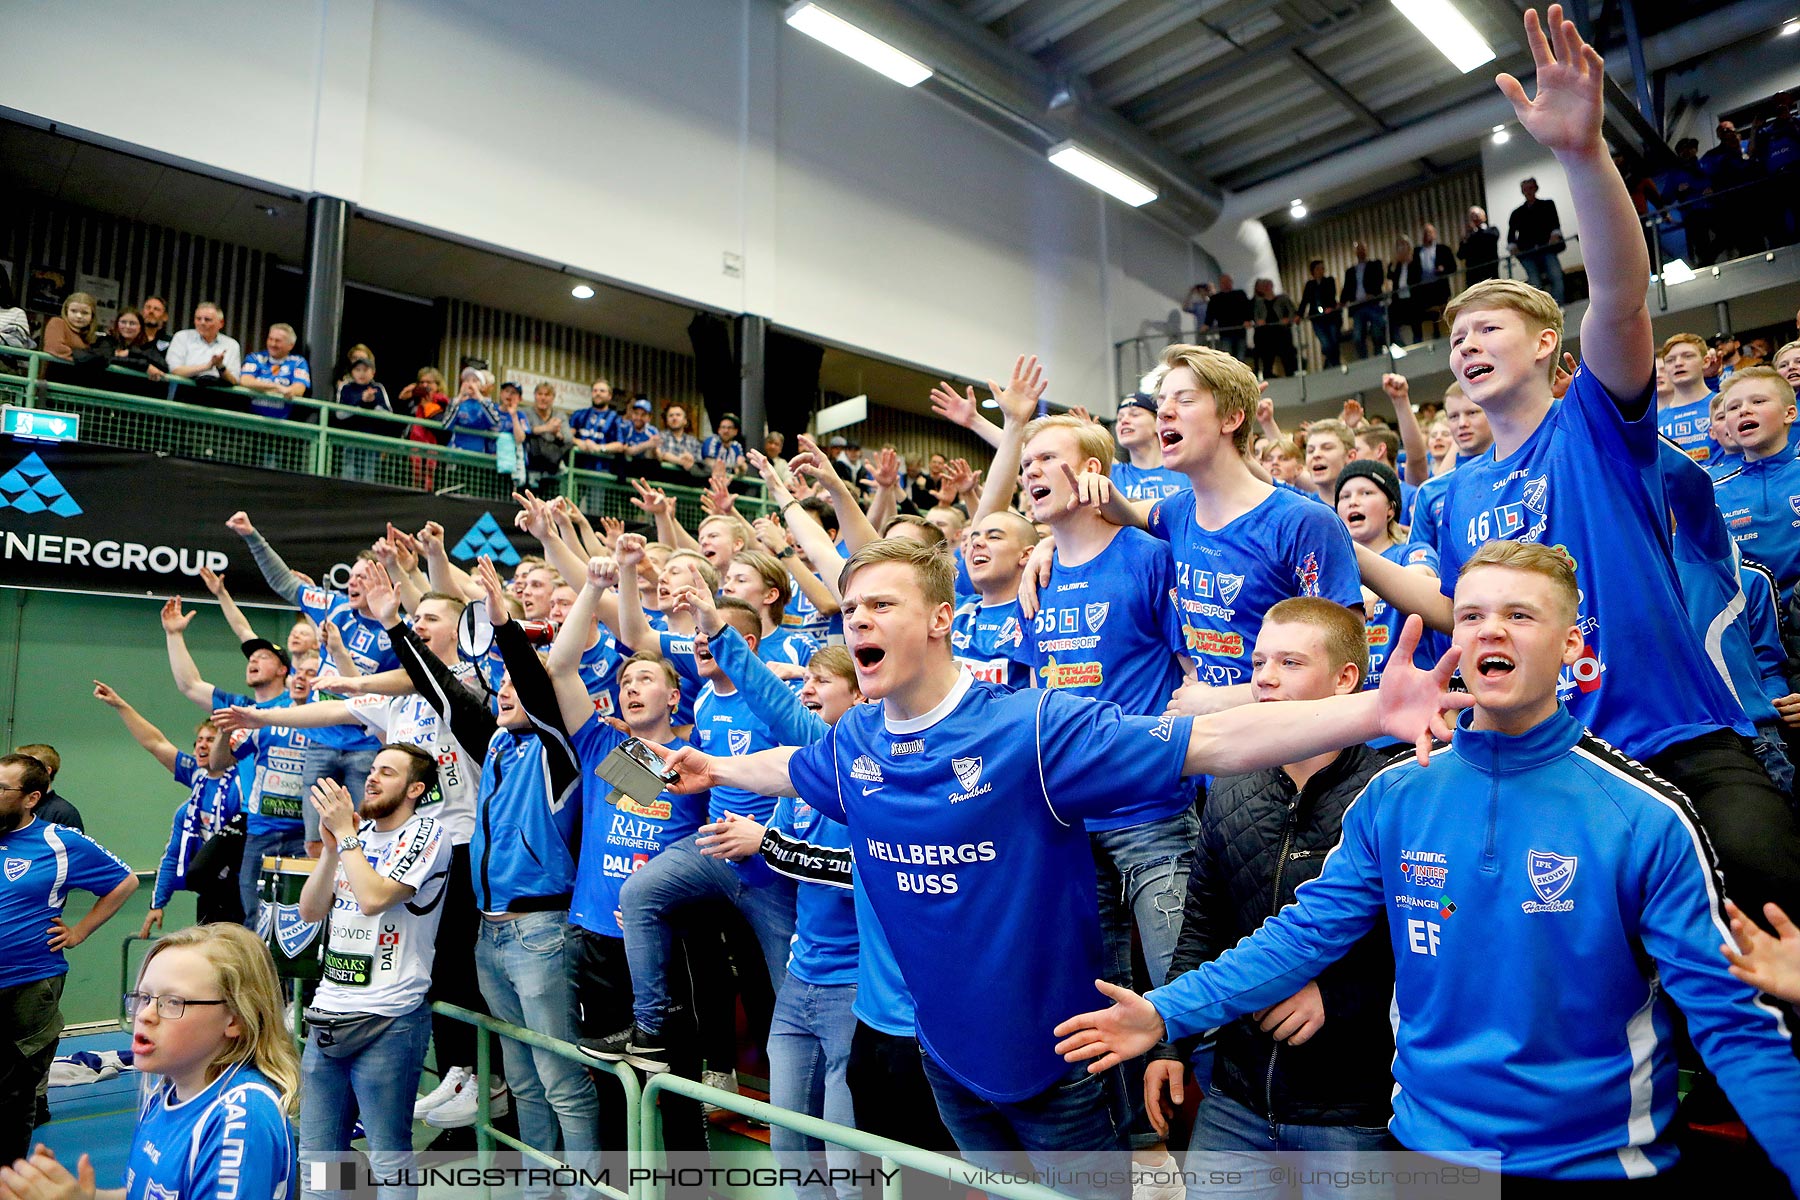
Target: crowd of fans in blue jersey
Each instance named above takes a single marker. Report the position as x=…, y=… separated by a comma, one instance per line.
x=962, y=786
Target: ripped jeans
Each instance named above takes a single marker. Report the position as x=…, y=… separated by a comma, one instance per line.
x=1143, y=877
x=1142, y=873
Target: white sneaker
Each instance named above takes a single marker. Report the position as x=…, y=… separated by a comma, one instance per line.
x=459, y=1111
x=725, y=1081
x=453, y=1080
x=1157, y=1181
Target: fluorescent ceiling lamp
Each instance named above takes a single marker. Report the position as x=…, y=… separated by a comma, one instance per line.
x=865, y=48
x=1675, y=271
x=1297, y=210
x=1106, y=177
x=1791, y=28
x=582, y=291
x=1501, y=136
x=1448, y=30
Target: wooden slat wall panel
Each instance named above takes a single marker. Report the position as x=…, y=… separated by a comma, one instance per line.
x=509, y=340
x=147, y=260
x=1443, y=202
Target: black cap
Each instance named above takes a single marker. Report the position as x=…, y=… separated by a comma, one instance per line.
x=254, y=644
x=1377, y=473
x=1143, y=400
x=515, y=387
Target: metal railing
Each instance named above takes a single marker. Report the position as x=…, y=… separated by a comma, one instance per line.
x=312, y=441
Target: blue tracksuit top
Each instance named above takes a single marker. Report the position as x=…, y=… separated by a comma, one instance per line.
x=1761, y=504
x=1547, y=899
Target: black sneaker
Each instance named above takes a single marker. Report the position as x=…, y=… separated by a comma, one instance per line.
x=646, y=1052
x=607, y=1049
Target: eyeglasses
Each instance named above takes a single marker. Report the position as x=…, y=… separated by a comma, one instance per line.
x=13, y=787
x=169, y=1008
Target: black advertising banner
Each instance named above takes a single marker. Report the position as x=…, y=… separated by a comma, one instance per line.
x=95, y=518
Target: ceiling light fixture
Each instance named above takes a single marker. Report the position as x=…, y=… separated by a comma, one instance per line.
x=1791, y=28
x=1446, y=28
x=1675, y=271
x=859, y=44
x=582, y=291
x=1100, y=174
x=1297, y=210
x=1501, y=136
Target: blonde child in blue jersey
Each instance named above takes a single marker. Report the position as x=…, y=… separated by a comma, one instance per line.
x=223, y=1079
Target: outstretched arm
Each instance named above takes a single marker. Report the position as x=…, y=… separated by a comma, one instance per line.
x=1407, y=590
x=1565, y=118
x=961, y=410
x=276, y=573
x=633, y=628
x=853, y=523
x=142, y=731
x=1018, y=404
x=181, y=662
x=234, y=616
x=1418, y=458
x=765, y=772
x=571, y=640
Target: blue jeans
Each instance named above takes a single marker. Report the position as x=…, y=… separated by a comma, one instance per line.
x=1368, y=331
x=1771, y=752
x=1230, y=1138
x=678, y=876
x=1074, y=1129
x=1143, y=876
x=1544, y=270
x=1330, y=331
x=809, y=1058
x=381, y=1083
x=348, y=767
x=256, y=845
x=524, y=973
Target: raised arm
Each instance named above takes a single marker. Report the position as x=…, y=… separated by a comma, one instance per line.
x=884, y=502
x=853, y=523
x=633, y=628
x=444, y=575
x=821, y=592
x=571, y=640
x=772, y=700
x=962, y=410
x=656, y=502
x=234, y=616
x=276, y=573
x=142, y=732
x=1418, y=457
x=1565, y=118
x=1018, y=404
x=807, y=533
x=181, y=662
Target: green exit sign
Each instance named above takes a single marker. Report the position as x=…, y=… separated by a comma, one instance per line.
x=39, y=424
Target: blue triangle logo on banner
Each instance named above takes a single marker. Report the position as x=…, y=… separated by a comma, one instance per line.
x=485, y=537
x=30, y=487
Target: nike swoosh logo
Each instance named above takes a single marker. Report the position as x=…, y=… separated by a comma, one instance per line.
x=869, y=790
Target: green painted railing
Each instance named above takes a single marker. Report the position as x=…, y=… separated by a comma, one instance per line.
x=194, y=426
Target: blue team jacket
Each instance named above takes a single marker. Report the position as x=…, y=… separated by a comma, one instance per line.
x=1547, y=898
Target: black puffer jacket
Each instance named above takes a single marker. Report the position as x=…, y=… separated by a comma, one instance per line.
x=1259, y=840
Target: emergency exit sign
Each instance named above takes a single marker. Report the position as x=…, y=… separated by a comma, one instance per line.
x=39, y=424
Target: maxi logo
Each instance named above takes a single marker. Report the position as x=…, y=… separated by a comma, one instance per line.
x=31, y=488
x=486, y=537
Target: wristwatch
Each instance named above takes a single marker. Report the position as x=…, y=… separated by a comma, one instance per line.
x=348, y=843
x=786, y=553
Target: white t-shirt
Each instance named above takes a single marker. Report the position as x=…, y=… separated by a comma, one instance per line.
x=189, y=349
x=382, y=964
x=412, y=721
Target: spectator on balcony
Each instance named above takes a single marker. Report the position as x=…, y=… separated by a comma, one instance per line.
x=775, y=450
x=71, y=333
x=1731, y=167
x=156, y=323
x=1437, y=263
x=723, y=448
x=1198, y=298
x=639, y=439
x=1231, y=314
x=1403, y=281
x=1479, y=248
x=1319, y=304
x=426, y=391
x=548, y=442
x=596, y=427
x=125, y=345
x=361, y=393
x=925, y=484
x=472, y=415
x=513, y=426
x=277, y=372
x=15, y=326
x=678, y=447
x=1273, y=313
x=205, y=352
x=1534, y=237
x=1686, y=223
x=1361, y=294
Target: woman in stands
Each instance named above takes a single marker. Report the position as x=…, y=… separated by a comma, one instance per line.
x=73, y=331
x=125, y=345
x=206, y=1017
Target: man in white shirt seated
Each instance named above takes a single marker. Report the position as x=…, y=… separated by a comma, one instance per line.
x=204, y=352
